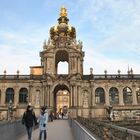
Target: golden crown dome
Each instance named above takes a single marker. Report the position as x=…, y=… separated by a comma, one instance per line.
x=63, y=28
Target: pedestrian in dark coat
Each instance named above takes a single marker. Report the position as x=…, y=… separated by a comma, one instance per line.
x=29, y=119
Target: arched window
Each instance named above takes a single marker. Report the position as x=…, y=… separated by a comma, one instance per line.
x=127, y=95
x=9, y=95
x=99, y=96
x=113, y=95
x=138, y=95
x=23, y=94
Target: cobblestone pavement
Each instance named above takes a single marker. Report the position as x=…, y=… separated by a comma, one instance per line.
x=57, y=130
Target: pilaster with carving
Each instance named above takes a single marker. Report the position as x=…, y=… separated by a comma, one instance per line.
x=120, y=89
x=107, y=95
x=16, y=96
x=3, y=95
x=134, y=96
x=30, y=91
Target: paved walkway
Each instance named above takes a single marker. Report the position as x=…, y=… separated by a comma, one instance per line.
x=57, y=130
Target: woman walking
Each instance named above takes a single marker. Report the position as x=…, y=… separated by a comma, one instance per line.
x=43, y=120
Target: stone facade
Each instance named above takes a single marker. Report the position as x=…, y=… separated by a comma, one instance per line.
x=89, y=95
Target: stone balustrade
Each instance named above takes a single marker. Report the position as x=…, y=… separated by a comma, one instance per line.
x=107, y=130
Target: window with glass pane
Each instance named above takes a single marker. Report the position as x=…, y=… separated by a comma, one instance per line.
x=127, y=95
x=138, y=95
x=99, y=95
x=9, y=95
x=113, y=95
x=23, y=93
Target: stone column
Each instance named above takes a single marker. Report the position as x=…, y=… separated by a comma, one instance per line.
x=75, y=95
x=16, y=95
x=78, y=102
x=30, y=93
x=93, y=95
x=47, y=95
x=107, y=96
x=51, y=96
x=43, y=95
x=70, y=104
x=37, y=98
x=3, y=95
x=121, y=102
x=134, y=96
x=72, y=92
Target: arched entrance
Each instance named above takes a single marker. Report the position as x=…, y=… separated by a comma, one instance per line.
x=61, y=99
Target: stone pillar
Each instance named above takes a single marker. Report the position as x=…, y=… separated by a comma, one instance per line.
x=43, y=95
x=107, y=96
x=90, y=97
x=3, y=96
x=76, y=64
x=78, y=96
x=93, y=95
x=121, y=102
x=72, y=95
x=78, y=71
x=48, y=96
x=30, y=93
x=16, y=95
x=134, y=96
x=70, y=103
x=51, y=97
x=37, y=98
x=75, y=96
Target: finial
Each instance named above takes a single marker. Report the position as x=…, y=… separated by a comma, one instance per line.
x=131, y=71
x=63, y=11
x=4, y=72
x=17, y=72
x=69, y=28
x=55, y=28
x=119, y=72
x=91, y=70
x=105, y=71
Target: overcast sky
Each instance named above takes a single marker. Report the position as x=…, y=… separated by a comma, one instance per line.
x=109, y=30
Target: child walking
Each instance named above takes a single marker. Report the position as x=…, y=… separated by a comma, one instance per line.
x=43, y=120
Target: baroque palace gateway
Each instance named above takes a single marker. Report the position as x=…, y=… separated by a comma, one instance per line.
x=83, y=95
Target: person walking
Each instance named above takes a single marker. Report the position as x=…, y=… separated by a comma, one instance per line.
x=51, y=116
x=29, y=119
x=43, y=120
x=62, y=115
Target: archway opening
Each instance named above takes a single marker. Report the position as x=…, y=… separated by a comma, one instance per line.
x=62, y=62
x=61, y=100
x=62, y=68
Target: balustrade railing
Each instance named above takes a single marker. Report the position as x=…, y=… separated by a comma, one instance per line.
x=80, y=132
x=11, y=130
x=108, y=131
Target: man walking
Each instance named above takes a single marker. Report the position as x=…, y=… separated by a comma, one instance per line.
x=29, y=119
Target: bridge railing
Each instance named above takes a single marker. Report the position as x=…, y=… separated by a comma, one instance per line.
x=80, y=132
x=108, y=130
x=11, y=130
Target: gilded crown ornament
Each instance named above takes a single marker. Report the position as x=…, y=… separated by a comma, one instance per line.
x=63, y=12
x=63, y=30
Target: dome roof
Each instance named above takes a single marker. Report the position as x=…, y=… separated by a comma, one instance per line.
x=62, y=29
